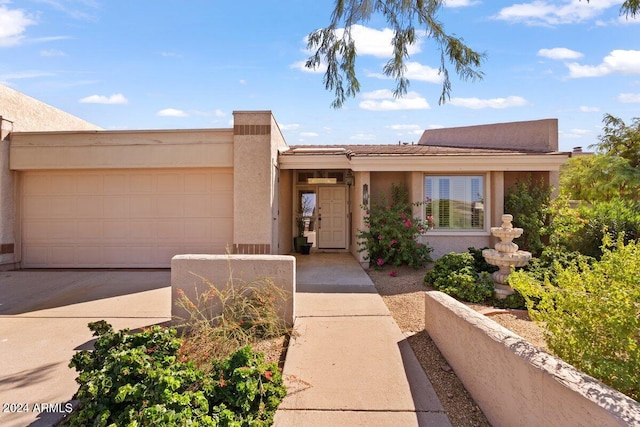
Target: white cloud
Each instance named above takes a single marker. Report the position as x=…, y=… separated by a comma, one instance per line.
x=363, y=137
x=378, y=94
x=370, y=41
x=216, y=113
x=74, y=8
x=52, y=53
x=586, y=109
x=171, y=112
x=543, y=12
x=309, y=134
x=13, y=23
x=383, y=100
x=497, y=103
x=574, y=133
x=170, y=54
x=560, y=53
x=117, y=98
x=629, y=98
x=292, y=126
x=405, y=127
x=24, y=75
x=243, y=82
x=617, y=62
x=415, y=71
x=300, y=65
x=460, y=3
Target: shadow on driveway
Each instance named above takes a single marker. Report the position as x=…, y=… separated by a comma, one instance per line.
x=25, y=291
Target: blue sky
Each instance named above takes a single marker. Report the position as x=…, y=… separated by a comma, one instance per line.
x=189, y=64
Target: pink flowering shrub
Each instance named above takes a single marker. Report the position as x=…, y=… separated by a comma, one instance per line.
x=392, y=233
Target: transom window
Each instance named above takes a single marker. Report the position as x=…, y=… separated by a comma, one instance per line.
x=455, y=202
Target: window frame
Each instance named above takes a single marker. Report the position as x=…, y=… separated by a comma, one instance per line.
x=485, y=231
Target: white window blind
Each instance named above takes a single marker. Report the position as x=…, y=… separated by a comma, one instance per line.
x=455, y=202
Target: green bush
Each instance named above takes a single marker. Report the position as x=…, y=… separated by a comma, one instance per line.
x=582, y=229
x=528, y=202
x=138, y=379
x=552, y=260
x=591, y=314
x=391, y=237
x=455, y=275
x=613, y=218
x=479, y=263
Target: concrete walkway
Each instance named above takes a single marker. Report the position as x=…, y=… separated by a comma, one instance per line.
x=350, y=364
x=43, y=322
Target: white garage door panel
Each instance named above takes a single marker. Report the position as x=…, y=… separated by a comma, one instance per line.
x=138, y=218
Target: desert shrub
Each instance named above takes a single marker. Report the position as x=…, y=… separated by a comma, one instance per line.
x=391, y=237
x=223, y=320
x=552, y=261
x=591, y=314
x=479, y=263
x=455, y=275
x=582, y=229
x=613, y=218
x=139, y=379
x=528, y=202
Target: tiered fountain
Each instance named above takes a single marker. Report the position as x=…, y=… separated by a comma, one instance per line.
x=505, y=255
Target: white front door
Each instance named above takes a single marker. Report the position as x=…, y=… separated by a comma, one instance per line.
x=332, y=217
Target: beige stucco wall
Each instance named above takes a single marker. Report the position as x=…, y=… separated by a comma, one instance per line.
x=285, y=228
x=381, y=184
x=444, y=244
x=357, y=213
x=19, y=112
x=256, y=141
x=514, y=383
x=29, y=114
x=122, y=149
x=189, y=272
x=8, y=250
x=535, y=135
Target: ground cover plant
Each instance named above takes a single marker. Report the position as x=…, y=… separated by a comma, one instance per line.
x=135, y=379
x=208, y=376
x=455, y=274
x=466, y=276
x=591, y=313
x=392, y=232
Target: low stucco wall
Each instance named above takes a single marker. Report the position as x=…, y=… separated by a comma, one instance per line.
x=514, y=383
x=188, y=271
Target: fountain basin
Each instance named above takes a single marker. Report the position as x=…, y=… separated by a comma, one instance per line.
x=517, y=258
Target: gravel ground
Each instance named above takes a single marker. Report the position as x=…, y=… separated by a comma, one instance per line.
x=404, y=296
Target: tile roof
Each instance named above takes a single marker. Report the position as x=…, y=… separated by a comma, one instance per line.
x=368, y=150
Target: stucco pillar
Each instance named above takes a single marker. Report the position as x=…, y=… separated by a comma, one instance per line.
x=361, y=190
x=497, y=198
x=416, y=192
x=252, y=182
x=7, y=200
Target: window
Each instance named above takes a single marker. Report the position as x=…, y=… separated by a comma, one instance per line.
x=455, y=202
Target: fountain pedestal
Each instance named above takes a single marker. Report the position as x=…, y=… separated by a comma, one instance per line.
x=505, y=255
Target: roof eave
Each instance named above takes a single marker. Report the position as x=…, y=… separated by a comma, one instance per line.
x=440, y=163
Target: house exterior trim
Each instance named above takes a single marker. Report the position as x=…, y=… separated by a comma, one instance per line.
x=441, y=163
x=121, y=149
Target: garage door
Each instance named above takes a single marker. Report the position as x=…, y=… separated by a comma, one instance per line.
x=124, y=218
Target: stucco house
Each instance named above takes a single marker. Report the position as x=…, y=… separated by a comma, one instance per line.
x=76, y=196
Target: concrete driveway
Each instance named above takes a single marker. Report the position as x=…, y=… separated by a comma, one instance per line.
x=43, y=322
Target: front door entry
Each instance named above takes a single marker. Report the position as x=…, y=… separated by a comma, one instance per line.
x=332, y=217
